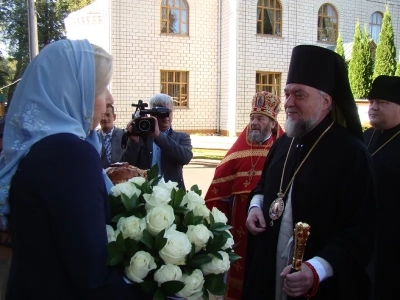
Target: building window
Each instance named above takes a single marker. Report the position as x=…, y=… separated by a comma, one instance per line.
x=175, y=84
x=268, y=81
x=375, y=24
x=327, y=24
x=269, y=17
x=174, y=16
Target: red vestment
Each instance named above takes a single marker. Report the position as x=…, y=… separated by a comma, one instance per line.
x=234, y=178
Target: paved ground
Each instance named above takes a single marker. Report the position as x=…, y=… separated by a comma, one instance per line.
x=199, y=172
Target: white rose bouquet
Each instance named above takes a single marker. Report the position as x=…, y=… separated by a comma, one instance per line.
x=167, y=240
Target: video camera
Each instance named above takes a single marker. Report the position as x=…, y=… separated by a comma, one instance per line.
x=142, y=124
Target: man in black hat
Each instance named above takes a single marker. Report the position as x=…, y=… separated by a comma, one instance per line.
x=320, y=173
x=383, y=141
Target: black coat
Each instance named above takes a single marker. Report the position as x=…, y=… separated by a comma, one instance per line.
x=334, y=192
x=176, y=151
x=58, y=212
x=386, y=263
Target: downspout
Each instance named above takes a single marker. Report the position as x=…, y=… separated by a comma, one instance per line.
x=219, y=63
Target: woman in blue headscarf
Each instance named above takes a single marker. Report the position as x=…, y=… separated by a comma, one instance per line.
x=51, y=179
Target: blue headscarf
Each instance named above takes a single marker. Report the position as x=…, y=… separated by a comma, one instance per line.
x=55, y=95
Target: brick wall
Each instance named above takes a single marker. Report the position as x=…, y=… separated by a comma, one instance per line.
x=140, y=52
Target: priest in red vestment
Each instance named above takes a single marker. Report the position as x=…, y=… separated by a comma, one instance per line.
x=238, y=173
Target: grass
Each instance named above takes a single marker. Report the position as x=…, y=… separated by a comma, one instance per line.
x=208, y=153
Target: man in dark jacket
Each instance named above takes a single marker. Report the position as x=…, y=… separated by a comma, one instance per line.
x=169, y=149
x=320, y=173
x=383, y=141
x=110, y=138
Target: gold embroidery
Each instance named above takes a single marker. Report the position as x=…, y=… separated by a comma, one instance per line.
x=244, y=153
x=240, y=231
x=237, y=265
x=231, y=177
x=215, y=190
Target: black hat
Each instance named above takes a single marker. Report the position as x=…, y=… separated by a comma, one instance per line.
x=386, y=88
x=325, y=70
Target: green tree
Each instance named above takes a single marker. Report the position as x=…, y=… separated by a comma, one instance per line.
x=385, y=57
x=339, y=47
x=360, y=66
x=398, y=68
x=50, y=24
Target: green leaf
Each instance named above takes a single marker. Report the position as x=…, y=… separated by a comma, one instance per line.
x=195, y=188
x=116, y=218
x=206, y=295
x=158, y=295
x=218, y=255
x=152, y=173
x=132, y=247
x=147, y=239
x=116, y=205
x=149, y=286
x=233, y=257
x=180, y=210
x=198, y=260
x=216, y=243
x=197, y=220
x=178, y=198
x=215, y=284
x=160, y=241
x=115, y=259
x=192, y=252
x=127, y=202
x=212, y=220
x=134, y=201
x=170, y=288
x=189, y=218
x=220, y=227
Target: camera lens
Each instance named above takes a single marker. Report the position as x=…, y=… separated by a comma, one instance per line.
x=144, y=125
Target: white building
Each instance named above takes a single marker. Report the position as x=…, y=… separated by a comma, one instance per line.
x=212, y=55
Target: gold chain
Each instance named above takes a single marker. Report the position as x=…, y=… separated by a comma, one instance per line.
x=251, y=159
x=302, y=162
x=398, y=132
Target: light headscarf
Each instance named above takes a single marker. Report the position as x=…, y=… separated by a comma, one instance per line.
x=55, y=95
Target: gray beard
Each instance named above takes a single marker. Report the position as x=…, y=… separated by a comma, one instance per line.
x=301, y=127
x=258, y=137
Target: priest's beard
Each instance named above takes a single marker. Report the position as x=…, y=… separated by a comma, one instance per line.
x=259, y=136
x=302, y=126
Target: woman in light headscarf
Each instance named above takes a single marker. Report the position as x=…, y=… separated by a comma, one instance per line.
x=51, y=179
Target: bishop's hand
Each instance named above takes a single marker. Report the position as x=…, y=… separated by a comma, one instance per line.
x=298, y=283
x=255, y=222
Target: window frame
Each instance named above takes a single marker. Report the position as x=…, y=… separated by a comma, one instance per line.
x=165, y=4
x=276, y=7
x=371, y=24
x=320, y=28
x=166, y=82
x=265, y=86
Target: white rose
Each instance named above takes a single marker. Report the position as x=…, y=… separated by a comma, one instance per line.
x=138, y=180
x=202, y=211
x=168, y=185
x=192, y=200
x=176, y=248
x=126, y=188
x=131, y=227
x=219, y=217
x=111, y=236
x=141, y=264
x=158, y=197
x=167, y=273
x=193, y=289
x=159, y=218
x=198, y=235
x=229, y=243
x=217, y=266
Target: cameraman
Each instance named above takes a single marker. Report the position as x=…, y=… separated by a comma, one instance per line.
x=165, y=147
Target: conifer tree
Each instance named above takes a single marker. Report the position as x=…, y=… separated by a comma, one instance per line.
x=385, y=57
x=339, y=47
x=398, y=68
